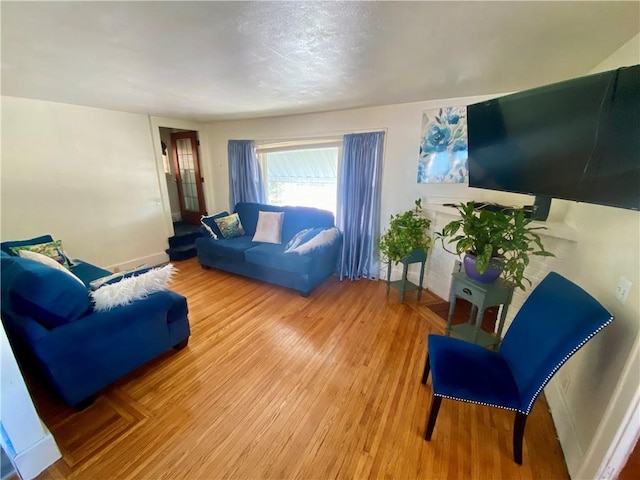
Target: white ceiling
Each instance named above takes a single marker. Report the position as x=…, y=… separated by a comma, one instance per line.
x=211, y=61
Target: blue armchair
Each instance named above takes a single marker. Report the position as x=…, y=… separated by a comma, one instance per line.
x=556, y=320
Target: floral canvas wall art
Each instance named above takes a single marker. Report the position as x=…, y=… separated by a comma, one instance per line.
x=443, y=146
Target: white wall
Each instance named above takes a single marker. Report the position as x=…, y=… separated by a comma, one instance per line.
x=87, y=176
x=608, y=247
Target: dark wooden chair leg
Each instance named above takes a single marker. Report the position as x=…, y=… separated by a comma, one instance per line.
x=427, y=369
x=518, y=434
x=182, y=344
x=433, y=414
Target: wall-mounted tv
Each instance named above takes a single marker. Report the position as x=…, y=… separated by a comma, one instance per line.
x=575, y=140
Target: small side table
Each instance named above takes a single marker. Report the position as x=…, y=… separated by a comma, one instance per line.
x=404, y=285
x=481, y=296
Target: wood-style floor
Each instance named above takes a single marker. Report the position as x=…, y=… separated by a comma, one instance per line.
x=274, y=385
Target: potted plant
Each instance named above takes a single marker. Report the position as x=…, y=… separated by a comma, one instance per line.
x=407, y=232
x=494, y=243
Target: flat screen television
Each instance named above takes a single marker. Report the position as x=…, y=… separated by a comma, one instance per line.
x=576, y=140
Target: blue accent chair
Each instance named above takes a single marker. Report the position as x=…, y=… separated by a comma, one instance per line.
x=555, y=321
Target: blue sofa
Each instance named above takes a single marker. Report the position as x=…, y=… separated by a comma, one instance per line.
x=268, y=261
x=51, y=325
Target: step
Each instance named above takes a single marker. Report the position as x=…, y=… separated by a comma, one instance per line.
x=182, y=252
x=180, y=228
x=185, y=239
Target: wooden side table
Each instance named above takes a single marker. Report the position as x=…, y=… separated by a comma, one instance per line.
x=481, y=296
x=404, y=285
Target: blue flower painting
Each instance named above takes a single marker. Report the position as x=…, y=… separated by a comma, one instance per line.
x=443, y=146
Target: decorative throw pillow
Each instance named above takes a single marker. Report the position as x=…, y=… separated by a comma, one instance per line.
x=50, y=249
x=8, y=245
x=269, y=228
x=209, y=224
x=299, y=238
x=133, y=288
x=230, y=226
x=43, y=259
x=116, y=277
x=324, y=238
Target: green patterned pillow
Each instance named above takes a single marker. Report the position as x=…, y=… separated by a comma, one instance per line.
x=50, y=249
x=230, y=226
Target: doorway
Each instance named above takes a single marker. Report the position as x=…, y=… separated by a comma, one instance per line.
x=180, y=154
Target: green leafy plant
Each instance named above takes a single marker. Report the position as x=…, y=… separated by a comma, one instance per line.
x=407, y=231
x=506, y=236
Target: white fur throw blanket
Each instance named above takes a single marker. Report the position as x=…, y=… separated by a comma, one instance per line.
x=322, y=239
x=133, y=288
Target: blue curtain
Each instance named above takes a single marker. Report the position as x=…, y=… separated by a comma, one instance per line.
x=359, y=204
x=245, y=174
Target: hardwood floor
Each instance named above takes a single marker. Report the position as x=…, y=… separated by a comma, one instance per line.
x=274, y=385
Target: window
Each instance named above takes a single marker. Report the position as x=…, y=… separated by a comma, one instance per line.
x=302, y=173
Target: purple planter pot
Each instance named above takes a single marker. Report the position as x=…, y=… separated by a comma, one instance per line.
x=492, y=273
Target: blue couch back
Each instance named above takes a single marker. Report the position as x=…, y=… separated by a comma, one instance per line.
x=295, y=218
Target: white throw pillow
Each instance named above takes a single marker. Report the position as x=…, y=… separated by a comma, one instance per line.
x=322, y=239
x=269, y=228
x=129, y=289
x=48, y=261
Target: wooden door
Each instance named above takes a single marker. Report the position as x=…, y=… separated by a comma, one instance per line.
x=188, y=176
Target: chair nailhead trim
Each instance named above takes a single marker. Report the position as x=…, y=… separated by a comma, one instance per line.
x=479, y=403
x=546, y=380
x=557, y=367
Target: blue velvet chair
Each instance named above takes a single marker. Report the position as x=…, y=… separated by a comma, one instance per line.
x=555, y=321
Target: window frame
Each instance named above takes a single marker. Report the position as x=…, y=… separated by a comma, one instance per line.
x=266, y=147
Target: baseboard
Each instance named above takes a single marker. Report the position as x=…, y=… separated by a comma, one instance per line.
x=565, y=426
x=148, y=261
x=33, y=461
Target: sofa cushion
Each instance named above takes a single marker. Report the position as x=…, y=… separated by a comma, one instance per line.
x=47, y=295
x=7, y=246
x=87, y=272
x=249, y=213
x=272, y=256
x=48, y=261
x=230, y=226
x=269, y=227
x=299, y=218
x=295, y=218
x=232, y=249
x=210, y=225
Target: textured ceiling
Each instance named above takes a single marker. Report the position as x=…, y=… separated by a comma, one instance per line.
x=221, y=60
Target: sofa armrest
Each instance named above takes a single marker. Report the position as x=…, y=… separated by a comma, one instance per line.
x=92, y=330
x=82, y=357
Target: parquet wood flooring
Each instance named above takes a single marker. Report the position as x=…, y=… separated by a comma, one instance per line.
x=274, y=385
